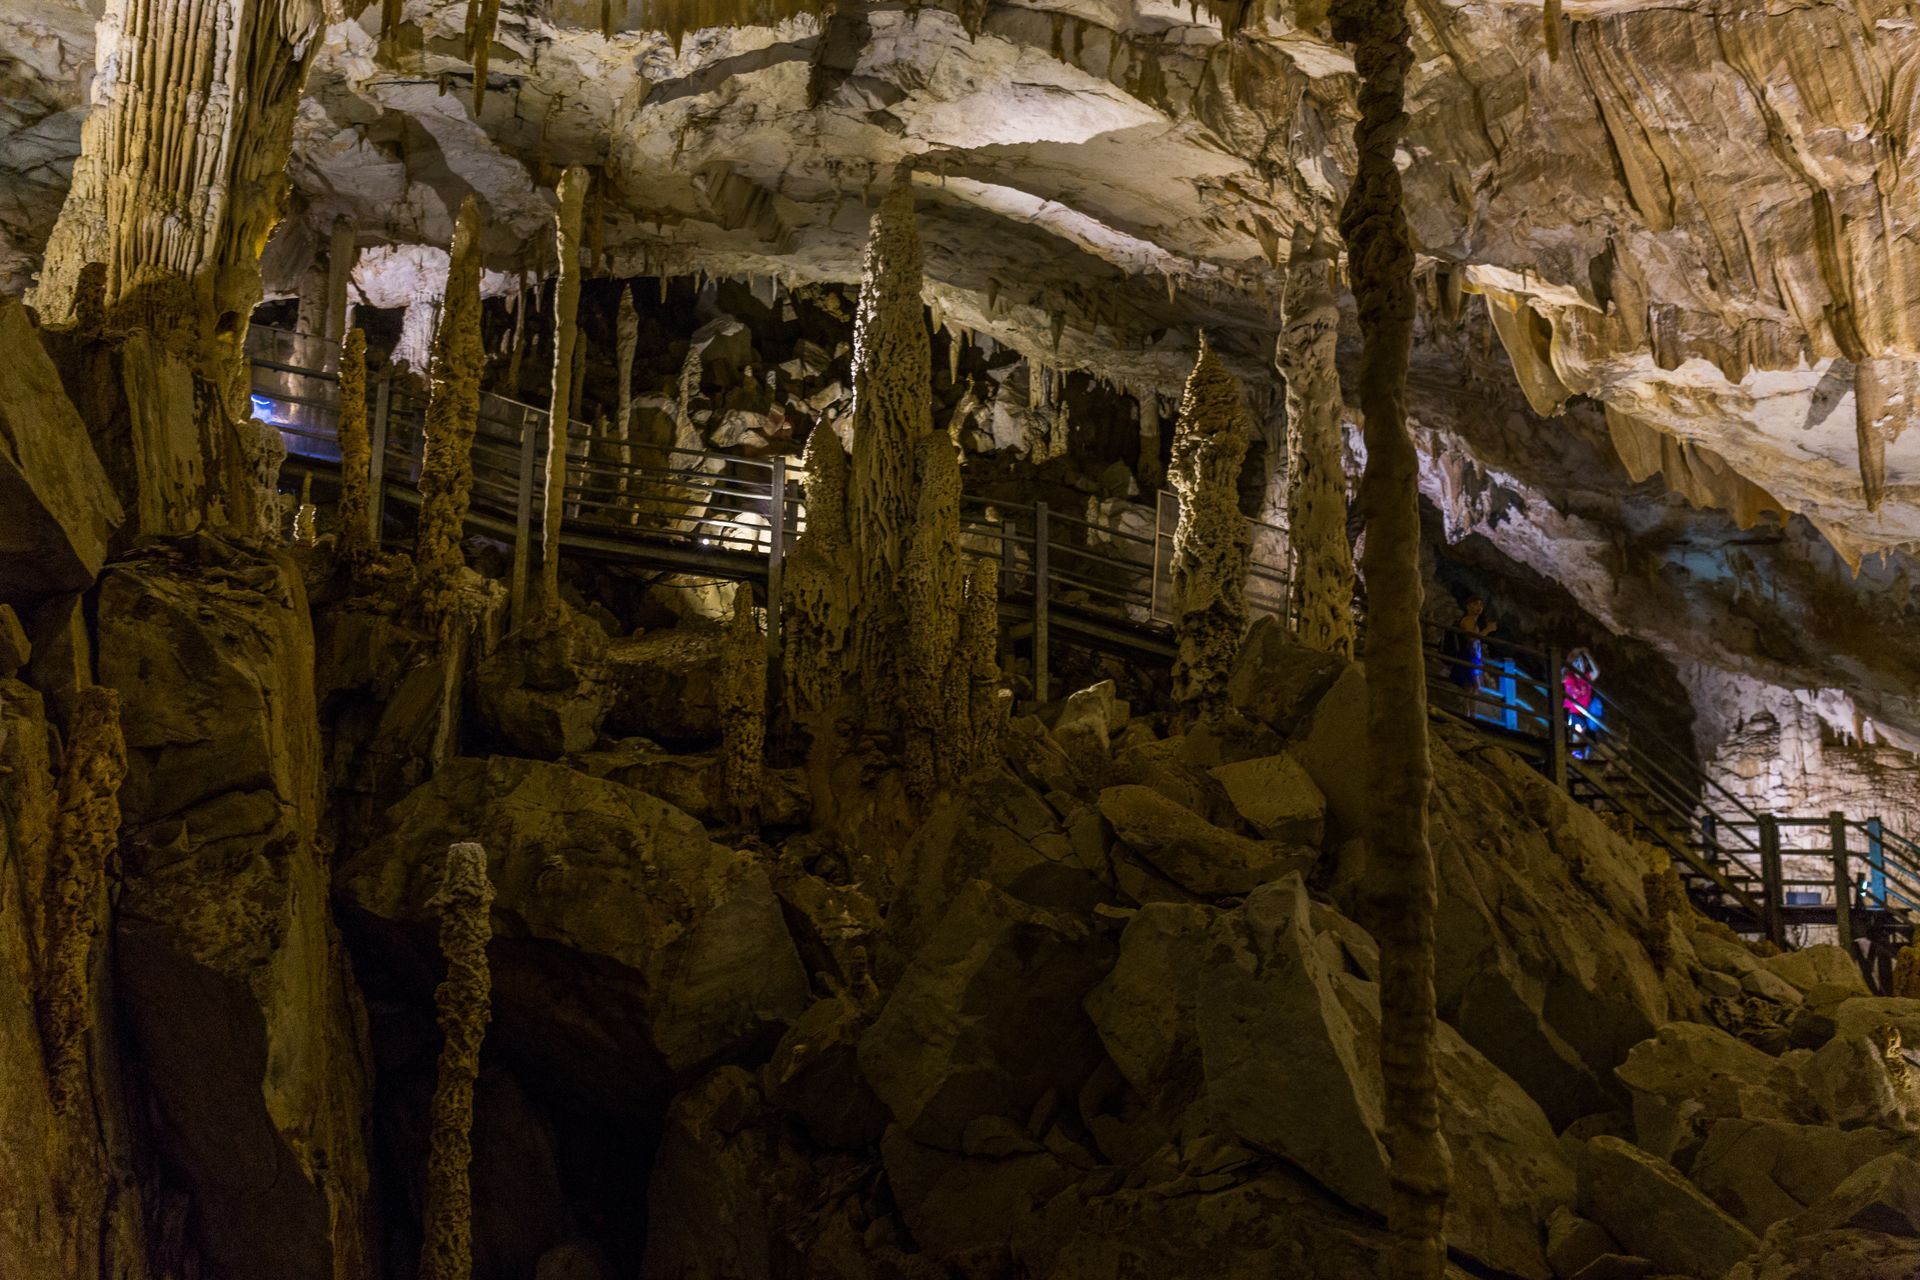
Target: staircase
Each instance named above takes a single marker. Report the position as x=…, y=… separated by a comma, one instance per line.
x=1731, y=858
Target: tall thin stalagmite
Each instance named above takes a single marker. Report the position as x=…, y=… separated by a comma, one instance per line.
x=934, y=584
x=989, y=704
x=1212, y=547
x=572, y=194
x=743, y=710
x=819, y=597
x=464, y=1002
x=1400, y=771
x=86, y=831
x=453, y=414
x=627, y=338
x=892, y=412
x=354, y=541
x=1320, y=561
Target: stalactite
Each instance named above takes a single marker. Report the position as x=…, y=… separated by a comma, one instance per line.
x=933, y=589
x=464, y=1004
x=818, y=585
x=521, y=306
x=743, y=711
x=86, y=832
x=1212, y=549
x=1320, y=560
x=627, y=326
x=483, y=16
x=572, y=193
x=182, y=171
x=1402, y=886
x=453, y=414
x=892, y=412
x=354, y=542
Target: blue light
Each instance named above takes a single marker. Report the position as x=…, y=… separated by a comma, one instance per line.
x=265, y=409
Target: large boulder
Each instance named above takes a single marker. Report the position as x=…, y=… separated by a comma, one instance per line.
x=986, y=1019
x=1144, y=1009
x=997, y=829
x=627, y=946
x=239, y=1005
x=60, y=507
x=1277, y=680
x=1540, y=959
x=1190, y=851
x=1761, y=1171
x=1691, y=1075
x=1276, y=797
x=1271, y=978
x=694, y=782
x=665, y=686
x=1657, y=1214
x=1867, y=1228
x=544, y=691
x=1869, y=1072
x=1812, y=968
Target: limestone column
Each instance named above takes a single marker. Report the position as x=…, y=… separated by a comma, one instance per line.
x=572, y=193
x=1319, y=558
x=1402, y=885
x=464, y=1003
x=1212, y=547
x=341, y=251
x=453, y=414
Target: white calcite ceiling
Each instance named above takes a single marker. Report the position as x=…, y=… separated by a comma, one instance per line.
x=1699, y=214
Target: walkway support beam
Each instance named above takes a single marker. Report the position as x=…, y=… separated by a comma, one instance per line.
x=1040, y=591
x=1770, y=880
x=1842, y=880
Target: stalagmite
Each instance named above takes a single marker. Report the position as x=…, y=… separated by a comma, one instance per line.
x=86, y=832
x=1148, y=471
x=1211, y=545
x=1400, y=772
x=354, y=542
x=453, y=414
x=627, y=326
x=1319, y=558
x=743, y=710
x=818, y=585
x=341, y=252
x=989, y=704
x=934, y=587
x=464, y=1004
x=892, y=412
x=572, y=194
x=306, y=516
x=1906, y=973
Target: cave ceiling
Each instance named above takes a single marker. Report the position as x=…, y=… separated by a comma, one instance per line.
x=1699, y=215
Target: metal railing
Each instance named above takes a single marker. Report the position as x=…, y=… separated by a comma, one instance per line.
x=727, y=514
x=1732, y=857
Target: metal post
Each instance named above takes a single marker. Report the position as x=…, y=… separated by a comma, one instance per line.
x=776, y=552
x=1040, y=602
x=1770, y=886
x=1842, y=880
x=377, y=462
x=1876, y=862
x=1710, y=836
x=1556, y=723
x=523, y=516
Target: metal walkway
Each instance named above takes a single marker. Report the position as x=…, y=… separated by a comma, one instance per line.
x=1106, y=585
x=1790, y=879
x=1102, y=583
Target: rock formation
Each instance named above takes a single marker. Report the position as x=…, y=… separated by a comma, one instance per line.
x=85, y=831
x=453, y=415
x=464, y=1002
x=354, y=536
x=743, y=710
x=1399, y=772
x=933, y=578
x=571, y=195
x=1211, y=545
x=1319, y=559
x=892, y=366
x=819, y=586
